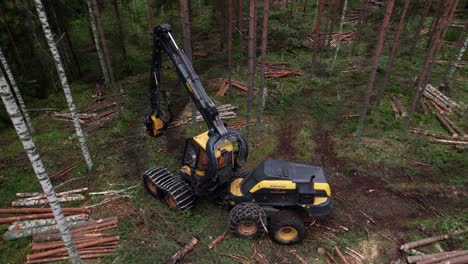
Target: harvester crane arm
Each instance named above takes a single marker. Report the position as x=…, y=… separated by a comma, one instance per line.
x=157, y=122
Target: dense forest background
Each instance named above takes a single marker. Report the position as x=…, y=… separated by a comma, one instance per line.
x=390, y=184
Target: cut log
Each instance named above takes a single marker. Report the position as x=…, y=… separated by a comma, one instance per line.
x=456, y=260
x=456, y=128
x=70, y=210
x=414, y=259
x=450, y=142
x=114, y=192
x=10, y=235
x=217, y=240
x=444, y=122
x=61, y=194
x=395, y=109
x=431, y=240
x=299, y=258
x=342, y=257
x=79, y=246
x=434, y=135
x=58, y=237
x=29, y=217
x=57, y=244
x=69, y=198
x=179, y=255
x=65, y=171
x=18, y=225
x=332, y=259
x=57, y=259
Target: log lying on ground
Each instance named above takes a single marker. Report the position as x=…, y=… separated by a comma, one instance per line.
x=65, y=170
x=30, y=217
x=18, y=225
x=68, y=198
x=58, y=237
x=100, y=105
x=57, y=259
x=15, y=234
x=450, y=142
x=179, y=255
x=43, y=196
x=342, y=257
x=217, y=240
x=70, y=210
x=397, y=107
x=431, y=240
x=436, y=256
x=444, y=122
x=434, y=135
x=57, y=244
x=53, y=252
x=240, y=124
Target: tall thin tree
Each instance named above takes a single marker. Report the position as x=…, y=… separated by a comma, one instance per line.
x=240, y=26
x=393, y=52
x=316, y=34
x=123, y=48
x=252, y=57
x=229, y=41
x=417, y=34
x=36, y=162
x=64, y=81
x=262, y=85
x=17, y=92
x=338, y=43
x=107, y=56
x=375, y=65
x=100, y=53
x=425, y=72
x=151, y=15
x=461, y=52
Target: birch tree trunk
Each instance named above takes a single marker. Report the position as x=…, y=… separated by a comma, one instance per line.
x=252, y=56
x=396, y=41
x=425, y=72
x=100, y=53
x=459, y=57
x=107, y=55
x=263, y=88
x=375, y=65
x=339, y=34
x=17, y=93
x=38, y=166
x=63, y=80
x=229, y=40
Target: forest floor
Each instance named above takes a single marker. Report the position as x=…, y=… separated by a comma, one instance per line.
x=383, y=195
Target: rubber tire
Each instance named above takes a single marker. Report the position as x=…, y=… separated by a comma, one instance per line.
x=158, y=195
x=286, y=218
x=247, y=212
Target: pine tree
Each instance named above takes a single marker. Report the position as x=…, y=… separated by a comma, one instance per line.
x=64, y=81
x=262, y=87
x=393, y=52
x=252, y=56
x=343, y=12
x=316, y=34
x=375, y=65
x=229, y=41
x=17, y=92
x=417, y=34
x=36, y=162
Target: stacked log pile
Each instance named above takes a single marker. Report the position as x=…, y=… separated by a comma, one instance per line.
x=226, y=111
x=94, y=116
x=455, y=256
x=346, y=37
x=240, y=124
x=30, y=199
x=225, y=87
x=91, y=239
x=275, y=70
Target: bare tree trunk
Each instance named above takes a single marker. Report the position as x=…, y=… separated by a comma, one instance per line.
x=427, y=64
x=339, y=34
x=229, y=41
x=151, y=15
x=417, y=34
x=316, y=44
x=38, y=166
x=240, y=27
x=63, y=79
x=396, y=41
x=446, y=28
x=263, y=89
x=332, y=22
x=375, y=65
x=115, y=5
x=187, y=32
x=252, y=58
x=17, y=92
x=100, y=53
x=459, y=57
x=107, y=55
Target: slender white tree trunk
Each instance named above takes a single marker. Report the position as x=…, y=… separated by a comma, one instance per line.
x=459, y=57
x=38, y=166
x=17, y=92
x=92, y=17
x=63, y=79
x=339, y=34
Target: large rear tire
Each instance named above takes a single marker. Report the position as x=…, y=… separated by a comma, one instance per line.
x=247, y=220
x=151, y=188
x=286, y=227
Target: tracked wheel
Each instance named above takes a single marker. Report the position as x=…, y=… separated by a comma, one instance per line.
x=160, y=183
x=286, y=227
x=247, y=220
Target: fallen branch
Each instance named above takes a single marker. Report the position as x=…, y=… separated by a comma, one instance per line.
x=342, y=257
x=430, y=134
x=299, y=258
x=217, y=240
x=179, y=255
x=436, y=256
x=431, y=240
x=241, y=259
x=61, y=194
